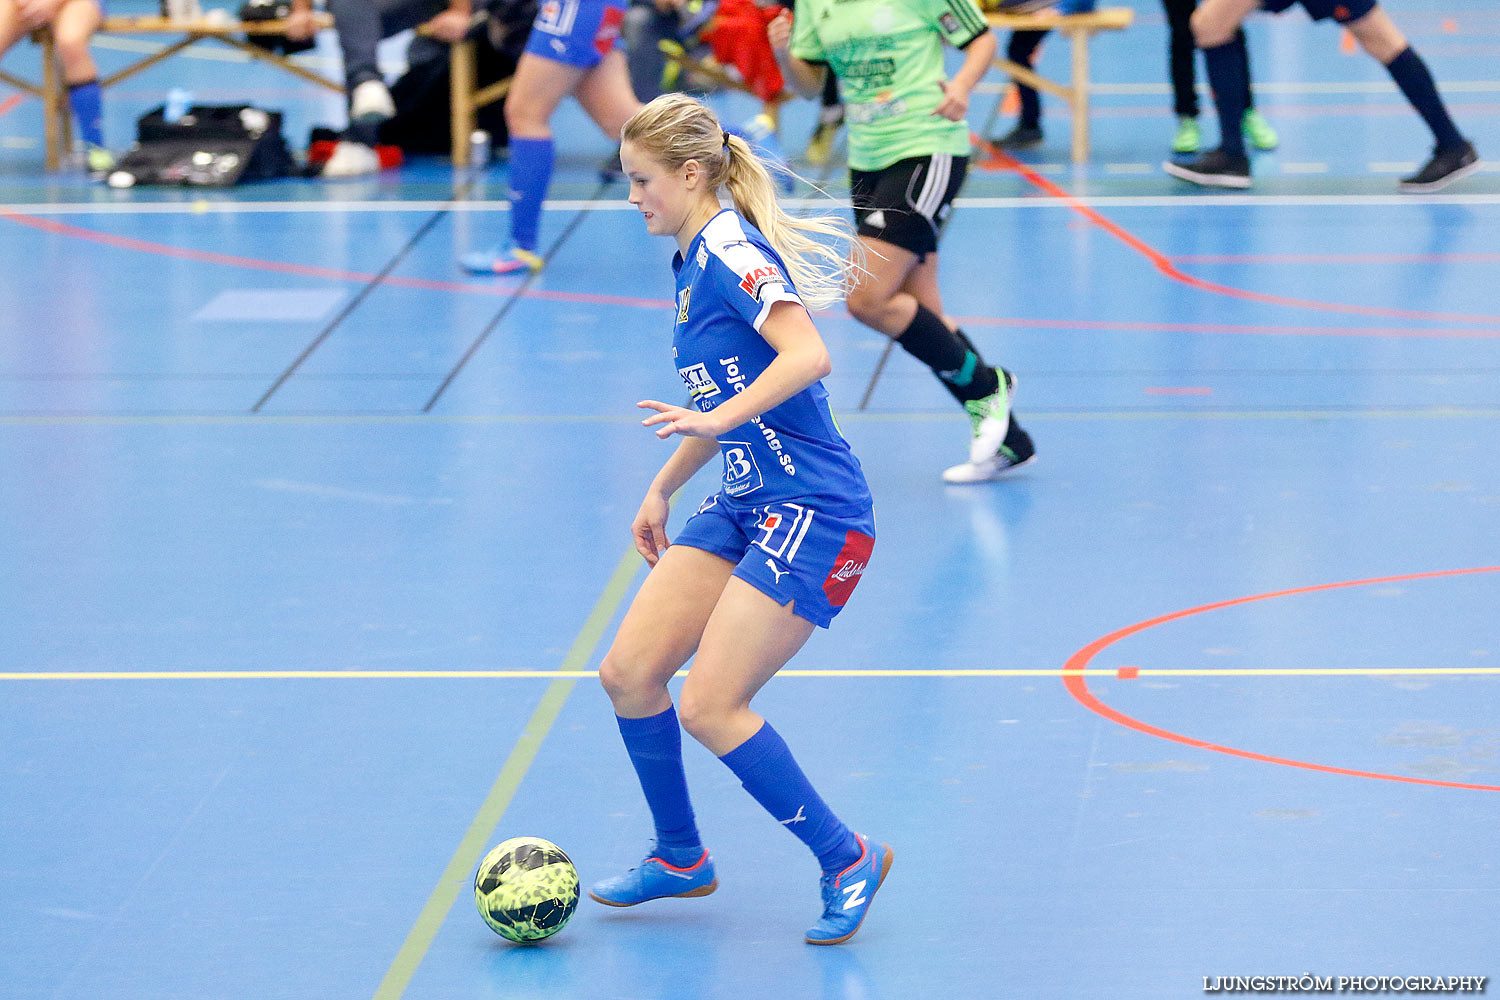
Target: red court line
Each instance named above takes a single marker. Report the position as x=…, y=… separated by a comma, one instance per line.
x=477, y=288
x=9, y=104
x=311, y=271
x=1164, y=264
x=1077, y=683
x=1246, y=329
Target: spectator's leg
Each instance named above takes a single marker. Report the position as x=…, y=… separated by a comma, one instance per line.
x=1181, y=56
x=1022, y=49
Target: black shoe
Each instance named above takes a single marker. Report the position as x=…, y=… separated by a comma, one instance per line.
x=1215, y=168
x=1020, y=137
x=1445, y=167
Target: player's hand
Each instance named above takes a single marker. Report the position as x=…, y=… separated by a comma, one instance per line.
x=955, y=103
x=649, y=529
x=450, y=26
x=779, y=32
x=668, y=6
x=37, y=13
x=669, y=420
x=301, y=25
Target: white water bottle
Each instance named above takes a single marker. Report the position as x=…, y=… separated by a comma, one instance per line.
x=178, y=103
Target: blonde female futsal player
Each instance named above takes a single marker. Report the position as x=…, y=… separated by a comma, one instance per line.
x=782, y=544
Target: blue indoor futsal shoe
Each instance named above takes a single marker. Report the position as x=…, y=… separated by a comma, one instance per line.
x=512, y=261
x=847, y=894
x=655, y=878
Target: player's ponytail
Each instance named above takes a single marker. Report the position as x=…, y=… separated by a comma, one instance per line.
x=675, y=128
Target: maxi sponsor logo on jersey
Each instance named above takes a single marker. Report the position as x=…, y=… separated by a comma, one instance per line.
x=736, y=376
x=753, y=281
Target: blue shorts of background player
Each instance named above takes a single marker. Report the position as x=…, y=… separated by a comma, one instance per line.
x=576, y=32
x=787, y=551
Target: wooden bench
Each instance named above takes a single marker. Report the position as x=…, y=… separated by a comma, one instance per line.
x=54, y=94
x=1080, y=30
x=465, y=96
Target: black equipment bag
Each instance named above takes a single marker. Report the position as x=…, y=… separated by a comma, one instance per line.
x=209, y=146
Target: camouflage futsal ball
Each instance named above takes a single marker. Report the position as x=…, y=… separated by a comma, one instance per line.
x=526, y=889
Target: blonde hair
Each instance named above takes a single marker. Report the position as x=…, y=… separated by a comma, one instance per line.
x=675, y=128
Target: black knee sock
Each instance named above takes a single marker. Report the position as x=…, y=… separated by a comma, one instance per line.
x=1229, y=74
x=1415, y=80
x=1022, y=49
x=952, y=357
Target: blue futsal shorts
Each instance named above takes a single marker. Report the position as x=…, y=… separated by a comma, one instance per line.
x=787, y=551
x=1342, y=11
x=576, y=32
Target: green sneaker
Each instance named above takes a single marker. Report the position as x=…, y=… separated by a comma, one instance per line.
x=1188, y=137
x=1259, y=131
x=99, y=160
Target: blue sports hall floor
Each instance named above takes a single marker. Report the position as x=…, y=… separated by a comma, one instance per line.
x=310, y=544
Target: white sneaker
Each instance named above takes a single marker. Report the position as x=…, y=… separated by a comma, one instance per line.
x=351, y=159
x=371, y=101
x=1016, y=451
x=989, y=418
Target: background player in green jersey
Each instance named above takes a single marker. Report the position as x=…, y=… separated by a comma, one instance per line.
x=908, y=153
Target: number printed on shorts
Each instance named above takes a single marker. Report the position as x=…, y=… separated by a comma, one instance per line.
x=782, y=528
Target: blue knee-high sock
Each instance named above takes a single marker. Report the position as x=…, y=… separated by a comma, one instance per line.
x=655, y=747
x=1415, y=80
x=87, y=102
x=1228, y=68
x=530, y=173
x=766, y=768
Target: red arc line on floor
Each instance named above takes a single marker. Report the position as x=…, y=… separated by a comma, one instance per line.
x=1077, y=682
x=1164, y=264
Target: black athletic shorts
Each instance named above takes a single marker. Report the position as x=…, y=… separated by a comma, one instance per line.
x=907, y=202
x=1342, y=11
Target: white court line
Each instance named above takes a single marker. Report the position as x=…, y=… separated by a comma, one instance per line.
x=205, y=207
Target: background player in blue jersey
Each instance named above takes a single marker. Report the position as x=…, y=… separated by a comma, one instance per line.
x=777, y=551
x=574, y=48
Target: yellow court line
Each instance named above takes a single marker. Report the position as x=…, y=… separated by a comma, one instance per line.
x=457, y=875
x=565, y=674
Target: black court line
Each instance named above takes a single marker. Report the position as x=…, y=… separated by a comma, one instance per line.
x=515, y=296
x=360, y=296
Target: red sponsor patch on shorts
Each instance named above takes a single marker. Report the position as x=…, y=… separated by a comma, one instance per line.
x=848, y=567
x=609, y=30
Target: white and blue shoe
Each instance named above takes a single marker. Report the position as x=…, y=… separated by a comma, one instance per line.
x=847, y=894
x=655, y=878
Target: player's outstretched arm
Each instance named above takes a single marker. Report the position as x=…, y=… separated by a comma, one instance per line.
x=801, y=359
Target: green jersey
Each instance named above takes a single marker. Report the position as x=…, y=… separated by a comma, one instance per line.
x=888, y=56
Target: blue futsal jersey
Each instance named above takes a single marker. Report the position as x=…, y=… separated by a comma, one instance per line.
x=726, y=285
